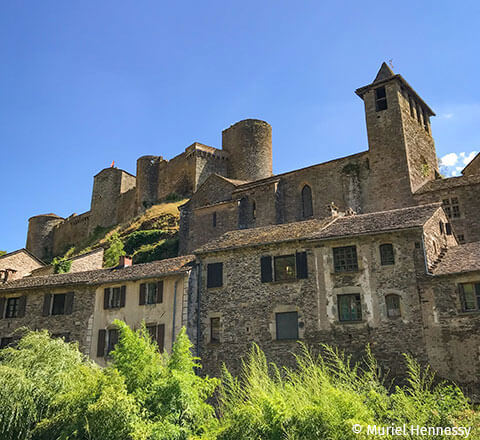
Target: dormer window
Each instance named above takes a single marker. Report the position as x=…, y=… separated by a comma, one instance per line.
x=380, y=99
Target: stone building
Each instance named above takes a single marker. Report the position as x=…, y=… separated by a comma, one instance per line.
x=390, y=279
x=81, y=306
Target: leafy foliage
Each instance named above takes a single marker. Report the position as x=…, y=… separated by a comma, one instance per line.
x=3, y=253
x=114, y=252
x=163, y=249
x=61, y=265
x=137, y=239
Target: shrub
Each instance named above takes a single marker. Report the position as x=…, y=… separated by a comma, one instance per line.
x=137, y=239
x=61, y=265
x=164, y=249
x=114, y=252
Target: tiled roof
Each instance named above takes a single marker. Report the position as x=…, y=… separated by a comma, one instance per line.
x=101, y=276
x=24, y=251
x=451, y=182
x=396, y=219
x=458, y=259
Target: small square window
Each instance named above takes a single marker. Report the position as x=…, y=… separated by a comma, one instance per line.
x=287, y=325
x=58, y=304
x=349, y=307
x=214, y=275
x=284, y=267
x=214, y=330
x=345, y=259
x=387, y=256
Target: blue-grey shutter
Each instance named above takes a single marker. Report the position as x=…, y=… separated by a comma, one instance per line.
x=266, y=269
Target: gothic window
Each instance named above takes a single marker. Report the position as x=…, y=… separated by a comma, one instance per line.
x=393, y=306
x=380, y=99
x=307, y=204
x=349, y=307
x=287, y=325
x=214, y=275
x=470, y=296
x=387, y=256
x=345, y=259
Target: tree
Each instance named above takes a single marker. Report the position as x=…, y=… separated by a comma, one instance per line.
x=2, y=253
x=61, y=265
x=114, y=252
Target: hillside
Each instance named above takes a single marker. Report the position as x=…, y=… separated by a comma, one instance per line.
x=151, y=236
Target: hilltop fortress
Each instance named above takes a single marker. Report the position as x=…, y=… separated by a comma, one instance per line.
x=234, y=188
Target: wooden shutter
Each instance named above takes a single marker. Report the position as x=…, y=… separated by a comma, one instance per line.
x=161, y=337
x=101, y=343
x=143, y=294
x=123, y=294
x=106, y=298
x=2, y=307
x=22, y=304
x=266, y=269
x=302, y=268
x=461, y=293
x=47, y=301
x=69, y=303
x=160, y=292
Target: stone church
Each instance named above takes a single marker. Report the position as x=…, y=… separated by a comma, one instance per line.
x=375, y=248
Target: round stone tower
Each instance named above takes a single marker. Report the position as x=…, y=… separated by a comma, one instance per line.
x=249, y=146
x=40, y=235
x=147, y=181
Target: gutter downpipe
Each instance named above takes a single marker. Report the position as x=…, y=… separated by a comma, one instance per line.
x=199, y=283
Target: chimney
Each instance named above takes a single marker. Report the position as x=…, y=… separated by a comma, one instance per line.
x=124, y=262
x=8, y=275
x=333, y=210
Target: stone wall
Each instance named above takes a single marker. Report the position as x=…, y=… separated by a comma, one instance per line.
x=247, y=307
x=20, y=261
x=70, y=232
x=78, y=324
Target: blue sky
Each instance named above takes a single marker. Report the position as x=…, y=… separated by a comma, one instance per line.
x=85, y=83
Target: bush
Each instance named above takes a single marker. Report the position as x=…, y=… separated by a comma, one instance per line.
x=137, y=239
x=61, y=265
x=114, y=252
x=165, y=249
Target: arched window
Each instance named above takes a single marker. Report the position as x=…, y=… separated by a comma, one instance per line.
x=393, y=306
x=243, y=213
x=307, y=205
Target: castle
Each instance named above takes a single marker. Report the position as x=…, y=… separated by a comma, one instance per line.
x=375, y=248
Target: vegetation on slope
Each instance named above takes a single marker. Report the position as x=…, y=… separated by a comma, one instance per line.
x=148, y=237
x=50, y=391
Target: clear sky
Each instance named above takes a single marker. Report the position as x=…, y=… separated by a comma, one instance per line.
x=87, y=82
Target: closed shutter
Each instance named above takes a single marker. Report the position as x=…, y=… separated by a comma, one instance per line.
x=2, y=307
x=302, y=268
x=161, y=337
x=101, y=343
x=123, y=294
x=106, y=298
x=143, y=294
x=69, y=303
x=47, y=301
x=266, y=268
x=160, y=292
x=22, y=305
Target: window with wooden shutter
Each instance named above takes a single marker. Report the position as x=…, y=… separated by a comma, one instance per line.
x=266, y=269
x=161, y=337
x=152, y=331
x=301, y=262
x=287, y=325
x=143, y=294
x=22, y=306
x=160, y=292
x=214, y=275
x=47, y=301
x=101, y=343
x=112, y=337
x=58, y=304
x=106, y=298
x=12, y=309
x=123, y=295
x=284, y=266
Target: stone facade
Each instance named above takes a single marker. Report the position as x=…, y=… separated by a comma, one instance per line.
x=21, y=261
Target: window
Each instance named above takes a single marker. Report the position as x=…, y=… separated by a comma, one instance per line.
x=380, y=99
x=387, y=256
x=214, y=219
x=349, y=307
x=112, y=339
x=12, y=308
x=114, y=297
x=451, y=207
x=243, y=213
x=345, y=259
x=214, y=330
x=440, y=224
x=393, y=306
x=157, y=334
x=307, y=204
x=214, y=275
x=58, y=304
x=287, y=325
x=461, y=238
x=151, y=293
x=470, y=296
x=448, y=228
x=284, y=267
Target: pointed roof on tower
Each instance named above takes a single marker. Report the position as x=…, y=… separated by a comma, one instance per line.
x=384, y=73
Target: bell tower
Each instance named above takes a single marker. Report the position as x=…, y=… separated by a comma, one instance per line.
x=402, y=154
